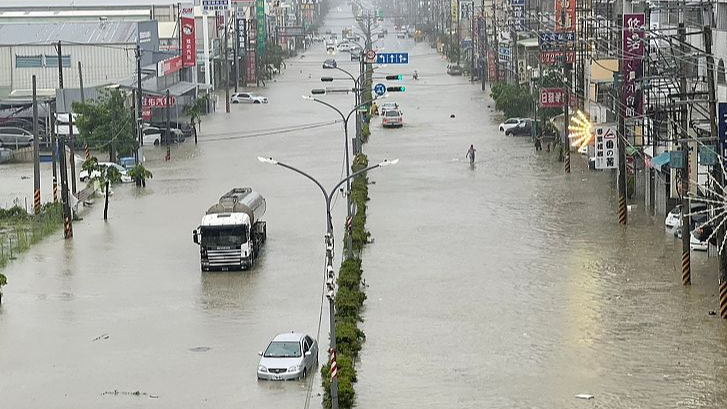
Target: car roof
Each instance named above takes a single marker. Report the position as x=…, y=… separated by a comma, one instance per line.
x=289, y=337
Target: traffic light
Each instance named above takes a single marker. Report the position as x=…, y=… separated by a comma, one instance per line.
x=326, y=79
x=395, y=77
x=318, y=91
x=395, y=89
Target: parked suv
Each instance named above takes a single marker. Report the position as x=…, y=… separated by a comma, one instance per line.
x=523, y=128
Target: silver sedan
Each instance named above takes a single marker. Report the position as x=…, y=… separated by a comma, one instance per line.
x=289, y=356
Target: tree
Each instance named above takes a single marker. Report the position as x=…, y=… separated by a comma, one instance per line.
x=194, y=111
x=107, y=123
x=102, y=176
x=140, y=174
x=512, y=100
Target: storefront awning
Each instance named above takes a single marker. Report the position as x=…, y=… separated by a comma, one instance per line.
x=660, y=160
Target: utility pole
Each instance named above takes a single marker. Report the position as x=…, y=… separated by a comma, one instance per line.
x=167, y=109
x=565, y=143
x=67, y=216
x=36, y=152
x=70, y=120
x=237, y=48
x=622, y=207
x=684, y=123
x=495, y=45
x=718, y=169
x=227, y=63
x=330, y=294
x=515, y=71
x=54, y=149
x=80, y=82
x=139, y=115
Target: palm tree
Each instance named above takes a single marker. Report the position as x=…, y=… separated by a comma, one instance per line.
x=194, y=111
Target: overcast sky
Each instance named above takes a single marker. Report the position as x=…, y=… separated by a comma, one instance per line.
x=15, y=3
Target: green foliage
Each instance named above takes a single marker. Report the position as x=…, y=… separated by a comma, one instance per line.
x=15, y=213
x=346, y=378
x=140, y=173
x=3, y=281
x=104, y=173
x=196, y=108
x=107, y=123
x=274, y=56
x=512, y=100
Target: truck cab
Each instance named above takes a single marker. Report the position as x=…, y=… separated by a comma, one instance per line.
x=230, y=236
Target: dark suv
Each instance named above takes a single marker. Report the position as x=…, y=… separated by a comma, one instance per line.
x=524, y=128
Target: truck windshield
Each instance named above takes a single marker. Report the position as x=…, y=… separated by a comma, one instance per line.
x=224, y=236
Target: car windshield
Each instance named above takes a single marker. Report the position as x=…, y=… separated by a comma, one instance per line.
x=392, y=113
x=232, y=236
x=283, y=350
x=511, y=121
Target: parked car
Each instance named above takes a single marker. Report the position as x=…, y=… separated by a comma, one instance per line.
x=344, y=47
x=125, y=178
x=392, y=118
x=288, y=356
x=355, y=56
x=247, y=98
x=674, y=218
x=388, y=106
x=523, y=128
x=330, y=63
x=401, y=34
x=156, y=136
x=185, y=127
x=330, y=46
x=509, y=123
x=697, y=238
x=454, y=69
x=11, y=137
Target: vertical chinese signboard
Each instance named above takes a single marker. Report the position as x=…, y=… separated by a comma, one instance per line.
x=519, y=21
x=633, y=57
x=251, y=55
x=189, y=44
x=606, y=146
x=466, y=9
x=454, y=12
x=569, y=7
x=261, y=24
x=491, y=66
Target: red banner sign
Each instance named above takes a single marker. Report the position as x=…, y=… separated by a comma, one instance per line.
x=146, y=113
x=157, y=101
x=250, y=67
x=189, y=43
x=552, y=98
x=169, y=66
x=491, y=67
x=555, y=57
x=569, y=7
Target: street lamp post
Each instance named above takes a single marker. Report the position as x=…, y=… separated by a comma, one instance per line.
x=349, y=211
x=329, y=241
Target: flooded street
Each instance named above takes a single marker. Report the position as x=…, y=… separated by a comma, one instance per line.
x=506, y=285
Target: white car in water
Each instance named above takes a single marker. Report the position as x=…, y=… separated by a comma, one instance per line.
x=509, y=124
x=247, y=98
x=289, y=356
x=125, y=178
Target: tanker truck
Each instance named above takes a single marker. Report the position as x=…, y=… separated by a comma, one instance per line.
x=231, y=233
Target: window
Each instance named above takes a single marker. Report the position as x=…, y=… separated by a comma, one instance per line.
x=51, y=61
x=721, y=16
x=28, y=61
x=721, y=72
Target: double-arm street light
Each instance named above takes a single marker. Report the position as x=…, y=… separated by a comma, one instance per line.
x=331, y=275
x=345, y=118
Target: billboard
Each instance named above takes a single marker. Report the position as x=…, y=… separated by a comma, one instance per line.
x=633, y=57
x=606, y=146
x=189, y=39
x=565, y=10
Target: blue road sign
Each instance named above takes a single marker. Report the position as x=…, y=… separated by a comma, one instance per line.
x=392, y=58
x=380, y=89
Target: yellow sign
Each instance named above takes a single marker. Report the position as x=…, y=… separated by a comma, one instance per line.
x=455, y=11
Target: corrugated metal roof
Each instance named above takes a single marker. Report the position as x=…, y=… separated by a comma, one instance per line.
x=111, y=32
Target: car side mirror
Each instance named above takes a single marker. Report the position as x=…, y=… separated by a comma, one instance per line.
x=195, y=237
x=260, y=353
x=308, y=353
